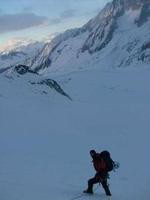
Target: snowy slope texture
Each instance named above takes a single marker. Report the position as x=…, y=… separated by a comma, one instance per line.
x=118, y=36
x=19, y=51
x=45, y=138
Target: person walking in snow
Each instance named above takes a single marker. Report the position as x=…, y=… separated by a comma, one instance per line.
x=102, y=163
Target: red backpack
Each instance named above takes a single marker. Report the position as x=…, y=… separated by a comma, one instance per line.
x=99, y=163
x=103, y=162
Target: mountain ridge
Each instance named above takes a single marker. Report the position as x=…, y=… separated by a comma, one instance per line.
x=94, y=36
x=118, y=37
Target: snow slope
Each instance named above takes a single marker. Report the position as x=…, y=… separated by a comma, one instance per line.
x=45, y=138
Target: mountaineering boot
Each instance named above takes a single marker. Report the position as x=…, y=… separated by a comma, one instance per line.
x=108, y=193
x=88, y=191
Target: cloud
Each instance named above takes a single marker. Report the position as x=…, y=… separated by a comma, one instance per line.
x=27, y=19
x=15, y=22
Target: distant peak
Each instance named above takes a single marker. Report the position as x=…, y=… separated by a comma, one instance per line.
x=14, y=43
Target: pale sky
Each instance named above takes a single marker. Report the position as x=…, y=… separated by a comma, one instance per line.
x=37, y=19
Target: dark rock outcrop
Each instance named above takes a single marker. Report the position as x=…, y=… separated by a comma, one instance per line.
x=145, y=14
x=53, y=85
x=23, y=69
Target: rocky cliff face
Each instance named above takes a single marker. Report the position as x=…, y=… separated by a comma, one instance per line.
x=120, y=30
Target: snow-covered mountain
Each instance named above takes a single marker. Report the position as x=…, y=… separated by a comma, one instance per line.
x=18, y=51
x=118, y=36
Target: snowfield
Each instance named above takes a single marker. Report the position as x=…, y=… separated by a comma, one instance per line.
x=45, y=138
